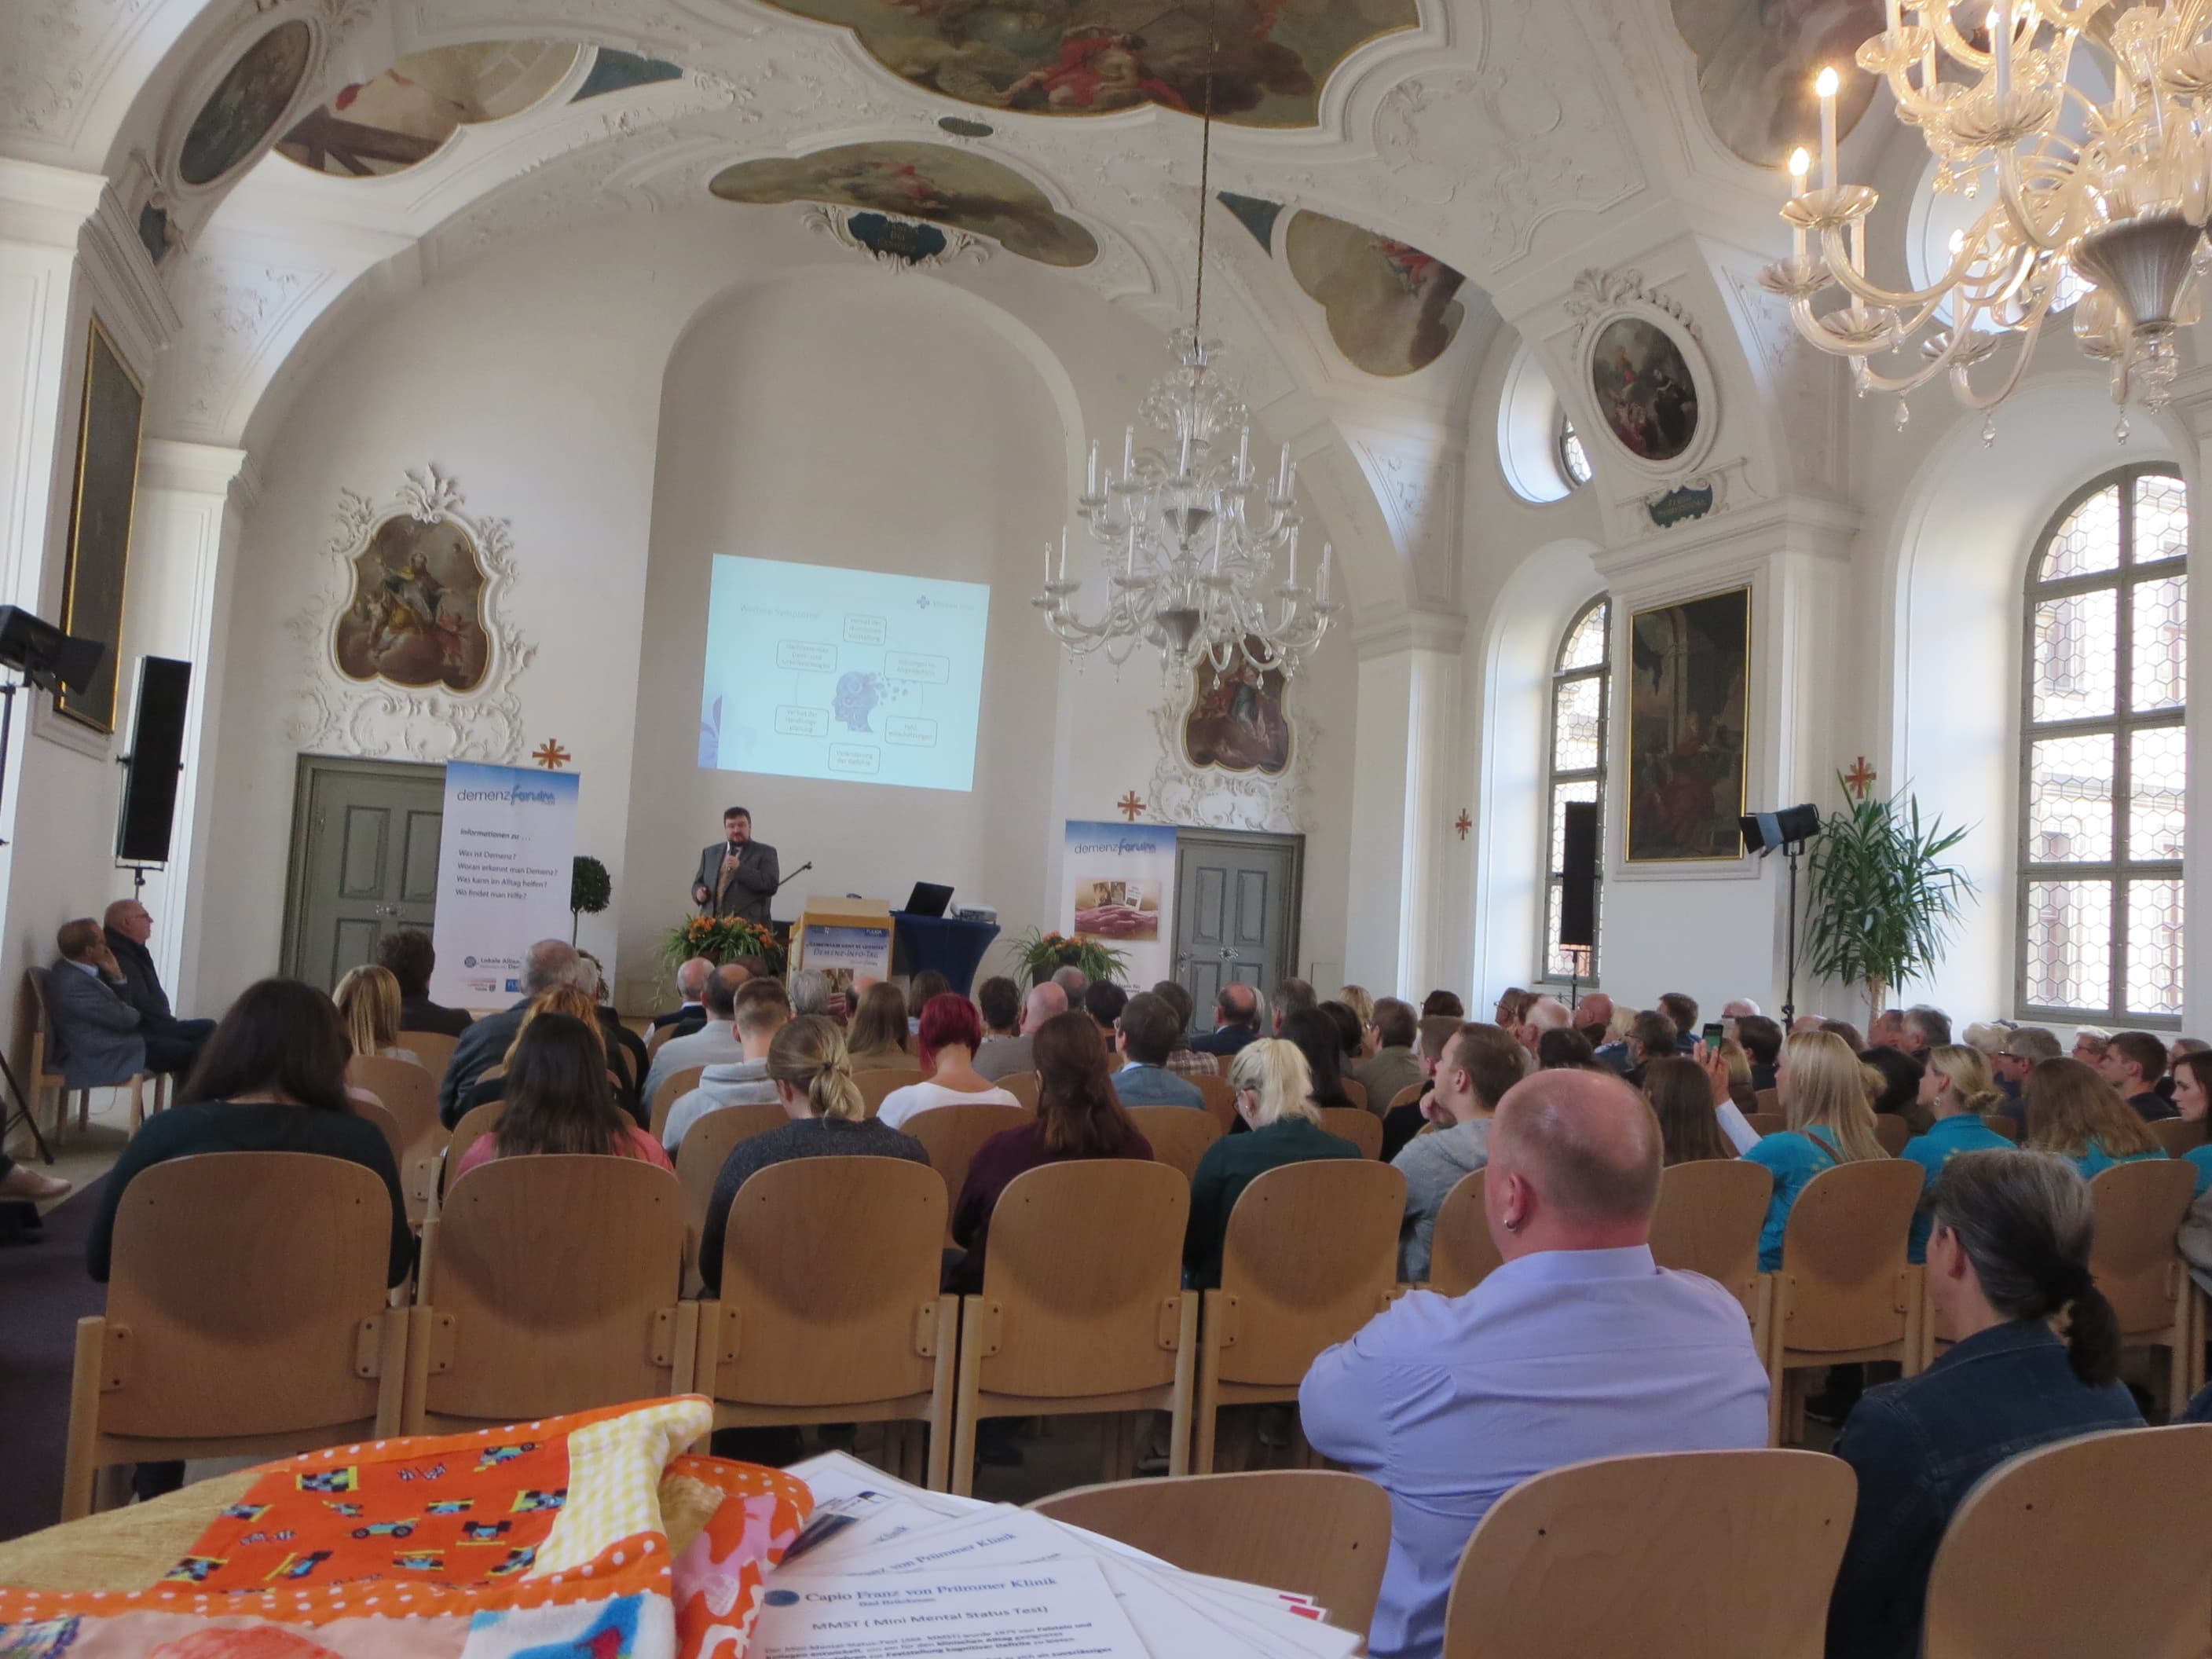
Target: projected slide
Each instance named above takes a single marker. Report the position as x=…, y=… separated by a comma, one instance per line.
x=818, y=673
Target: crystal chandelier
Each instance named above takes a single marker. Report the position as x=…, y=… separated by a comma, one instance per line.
x=2106, y=200
x=1190, y=545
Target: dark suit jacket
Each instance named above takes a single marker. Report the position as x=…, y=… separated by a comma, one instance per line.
x=421, y=1014
x=486, y=1041
x=691, y=1016
x=142, y=983
x=1228, y=1040
x=751, y=885
x=96, y=1034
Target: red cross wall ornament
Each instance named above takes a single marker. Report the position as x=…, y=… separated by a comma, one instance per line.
x=1463, y=823
x=1129, y=805
x=550, y=755
x=1860, y=777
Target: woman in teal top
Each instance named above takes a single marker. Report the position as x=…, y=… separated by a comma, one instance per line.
x=2192, y=1094
x=1958, y=1089
x=2074, y=1112
x=1825, y=1092
x=1272, y=1081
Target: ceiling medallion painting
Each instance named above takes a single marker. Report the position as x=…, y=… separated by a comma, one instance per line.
x=406, y=114
x=1094, y=56
x=1392, y=309
x=931, y=182
x=251, y=98
x=1756, y=59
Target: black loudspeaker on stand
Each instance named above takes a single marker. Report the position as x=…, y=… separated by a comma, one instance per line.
x=1789, y=829
x=152, y=769
x=1577, y=889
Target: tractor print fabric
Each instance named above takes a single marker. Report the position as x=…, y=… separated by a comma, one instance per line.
x=590, y=1536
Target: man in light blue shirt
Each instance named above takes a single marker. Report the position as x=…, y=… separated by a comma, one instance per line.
x=1578, y=1347
x=1143, y=1034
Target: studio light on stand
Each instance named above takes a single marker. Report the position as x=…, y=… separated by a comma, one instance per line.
x=1789, y=829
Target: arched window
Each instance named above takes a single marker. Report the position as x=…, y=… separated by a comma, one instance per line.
x=1575, y=766
x=2105, y=757
x=1574, y=459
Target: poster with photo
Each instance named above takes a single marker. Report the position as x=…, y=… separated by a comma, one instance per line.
x=1119, y=888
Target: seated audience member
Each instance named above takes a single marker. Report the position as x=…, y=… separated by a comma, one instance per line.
x=1762, y=1040
x=1480, y=1064
x=1401, y=1123
x=1077, y=1117
x=812, y=1080
x=1292, y=996
x=1805, y=1022
x=1921, y=1029
x=1887, y=1030
x=1273, y=1099
x=410, y=956
x=550, y=961
x=1563, y=1048
x=1000, y=1058
x=2089, y=1044
x=923, y=985
x=626, y=1056
x=1184, y=1060
x=368, y=1002
x=999, y=1003
x=1823, y=1090
x=714, y=1043
x=879, y=1040
x=1738, y=1010
x=1542, y=1014
x=1987, y=1035
x=1142, y=1038
x=763, y=1010
x=1358, y=998
x=1723, y=1088
x=270, y=1080
x=1895, y=1086
x=1653, y=1037
x=2023, y=1045
x=1512, y=1007
x=1443, y=1005
x=1235, y=1021
x=1352, y=1036
x=1593, y=1016
x=1682, y=1009
x=1614, y=1053
x=691, y=1011
x=1317, y=1039
x=1578, y=1347
x=2133, y=1064
x=1073, y=983
x=2192, y=1093
x=1393, y=1064
x=1958, y=1092
x=809, y=991
x=553, y=999
x=1680, y=1091
x=1104, y=1002
x=951, y=1031
x=2008, y=1253
x=171, y=1044
x=2074, y=1112
x=19, y=1182
x=1849, y=1033
x=559, y=1099
x=1743, y=1094
x=94, y=1032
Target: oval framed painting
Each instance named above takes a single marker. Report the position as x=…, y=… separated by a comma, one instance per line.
x=246, y=106
x=1651, y=388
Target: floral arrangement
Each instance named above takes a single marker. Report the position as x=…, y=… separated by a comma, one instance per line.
x=720, y=939
x=1042, y=955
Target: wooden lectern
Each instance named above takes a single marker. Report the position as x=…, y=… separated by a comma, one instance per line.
x=844, y=938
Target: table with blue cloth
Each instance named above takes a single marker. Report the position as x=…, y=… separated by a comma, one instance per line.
x=954, y=948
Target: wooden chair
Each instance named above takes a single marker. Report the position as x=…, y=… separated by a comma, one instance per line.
x=1357, y=1124
x=1320, y=1533
x=705, y=1148
x=672, y=1089
x=1708, y=1220
x=45, y=1079
x=1220, y=1100
x=653, y=1040
x=1082, y=1309
x=950, y=1135
x=1310, y=1255
x=874, y=1085
x=1460, y=1252
x=2139, y=1209
x=433, y=1048
x=409, y=1093
x=1406, y=1096
x=2180, y=1135
x=2128, y=1514
x=476, y=1123
x=246, y=1314
x=1022, y=1087
x=1998, y=1123
x=1355, y=1091
x=387, y=1126
x=1708, y=1555
x=1764, y=1124
x=1845, y=1292
x=1770, y=1101
x=549, y=1284
x=829, y=1310
x=1178, y=1135
x=1892, y=1130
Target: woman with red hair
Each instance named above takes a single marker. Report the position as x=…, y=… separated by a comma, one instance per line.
x=951, y=1031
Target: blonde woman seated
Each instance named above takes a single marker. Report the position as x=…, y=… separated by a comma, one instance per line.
x=1958, y=1090
x=952, y=1031
x=878, y=1041
x=813, y=1076
x=1823, y=1090
x=2074, y=1112
x=368, y=1001
x=1272, y=1084
x=560, y=1099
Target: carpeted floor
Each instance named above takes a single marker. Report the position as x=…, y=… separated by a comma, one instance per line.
x=44, y=1292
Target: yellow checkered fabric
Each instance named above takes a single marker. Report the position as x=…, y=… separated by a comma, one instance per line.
x=614, y=1480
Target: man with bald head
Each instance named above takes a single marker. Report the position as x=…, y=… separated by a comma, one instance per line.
x=171, y=1044
x=1235, y=1021
x=1003, y=1056
x=1593, y=1018
x=1544, y=1014
x=1579, y=1346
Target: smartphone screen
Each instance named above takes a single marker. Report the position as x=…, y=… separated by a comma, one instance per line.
x=1712, y=1034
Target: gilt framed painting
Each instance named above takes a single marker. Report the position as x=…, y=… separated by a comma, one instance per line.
x=102, y=501
x=1688, y=701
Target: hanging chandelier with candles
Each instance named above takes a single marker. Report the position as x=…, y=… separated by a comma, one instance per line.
x=1199, y=562
x=2105, y=200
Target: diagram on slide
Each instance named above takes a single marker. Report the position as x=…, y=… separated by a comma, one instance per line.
x=815, y=671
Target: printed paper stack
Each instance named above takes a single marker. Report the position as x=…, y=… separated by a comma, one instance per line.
x=886, y=1569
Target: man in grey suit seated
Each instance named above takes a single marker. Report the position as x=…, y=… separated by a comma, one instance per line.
x=96, y=1034
x=1143, y=1035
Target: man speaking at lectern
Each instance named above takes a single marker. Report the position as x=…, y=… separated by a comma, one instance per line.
x=737, y=875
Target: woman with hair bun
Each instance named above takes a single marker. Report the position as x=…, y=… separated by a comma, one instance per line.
x=813, y=1079
x=1958, y=1089
x=2008, y=1253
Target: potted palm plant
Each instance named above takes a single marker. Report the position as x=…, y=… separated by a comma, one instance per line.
x=1884, y=904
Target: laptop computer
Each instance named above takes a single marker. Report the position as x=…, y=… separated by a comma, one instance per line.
x=928, y=899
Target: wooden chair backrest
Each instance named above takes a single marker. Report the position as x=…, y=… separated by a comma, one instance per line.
x=1708, y=1220
x=1355, y=1091
x=2003, y=1125
x=2139, y=1208
x=1310, y=1255
x=1321, y=1533
x=950, y=1135
x=875, y=1086
x=242, y=1282
x=831, y=1264
x=665, y=1034
x=1710, y=1555
x=2180, y=1135
x=1084, y=1279
x=1405, y=1097
x=547, y=1278
x=672, y=1089
x=387, y=1125
x=705, y=1148
x=31, y=1017
x=1220, y=1100
x=477, y=1122
x=2130, y=1513
x=1461, y=1253
x=1844, y=1249
x=1764, y=1124
x=1357, y=1124
x=1022, y=1087
x=1179, y=1135
x=409, y=1093
x=1892, y=1130
x=433, y=1048
x=1770, y=1101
